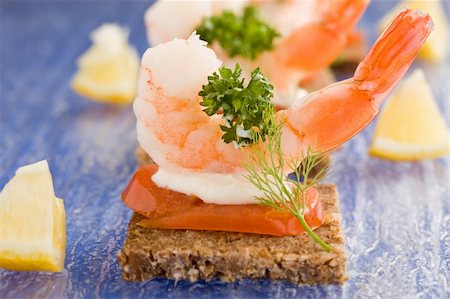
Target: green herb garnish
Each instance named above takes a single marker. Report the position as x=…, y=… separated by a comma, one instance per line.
x=244, y=108
x=246, y=36
x=266, y=170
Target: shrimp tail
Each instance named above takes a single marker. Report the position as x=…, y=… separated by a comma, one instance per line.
x=336, y=113
x=392, y=54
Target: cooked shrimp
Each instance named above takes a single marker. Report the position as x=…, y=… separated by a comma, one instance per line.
x=177, y=134
x=171, y=127
x=313, y=34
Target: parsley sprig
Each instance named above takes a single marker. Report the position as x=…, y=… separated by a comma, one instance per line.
x=266, y=170
x=244, y=108
x=245, y=35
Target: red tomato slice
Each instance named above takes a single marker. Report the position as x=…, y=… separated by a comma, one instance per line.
x=168, y=209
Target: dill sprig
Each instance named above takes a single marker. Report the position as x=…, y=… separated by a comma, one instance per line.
x=266, y=170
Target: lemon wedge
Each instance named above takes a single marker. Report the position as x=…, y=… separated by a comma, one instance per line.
x=411, y=126
x=108, y=71
x=32, y=222
x=436, y=47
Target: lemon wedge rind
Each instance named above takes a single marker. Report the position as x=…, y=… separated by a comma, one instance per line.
x=392, y=150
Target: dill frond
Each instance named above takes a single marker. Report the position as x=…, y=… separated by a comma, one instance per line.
x=266, y=165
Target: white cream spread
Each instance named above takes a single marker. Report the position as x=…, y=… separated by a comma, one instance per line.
x=230, y=189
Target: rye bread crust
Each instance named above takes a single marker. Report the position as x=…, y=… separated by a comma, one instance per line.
x=193, y=255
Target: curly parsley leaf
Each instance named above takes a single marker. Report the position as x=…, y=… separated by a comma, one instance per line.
x=245, y=35
x=244, y=108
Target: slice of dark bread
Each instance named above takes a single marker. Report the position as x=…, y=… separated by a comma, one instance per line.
x=193, y=255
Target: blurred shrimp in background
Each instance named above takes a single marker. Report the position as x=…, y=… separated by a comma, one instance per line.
x=302, y=38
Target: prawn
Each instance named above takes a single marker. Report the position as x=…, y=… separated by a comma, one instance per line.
x=178, y=135
x=313, y=34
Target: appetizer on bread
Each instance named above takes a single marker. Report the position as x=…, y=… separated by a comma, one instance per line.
x=222, y=158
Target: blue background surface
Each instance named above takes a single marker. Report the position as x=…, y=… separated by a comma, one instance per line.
x=396, y=216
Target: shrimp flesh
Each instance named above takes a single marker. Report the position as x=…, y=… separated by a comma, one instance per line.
x=177, y=134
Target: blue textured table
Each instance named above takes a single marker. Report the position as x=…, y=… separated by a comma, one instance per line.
x=396, y=216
